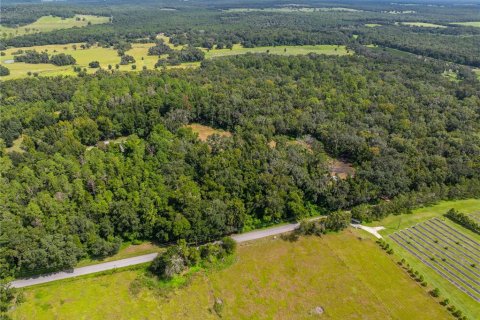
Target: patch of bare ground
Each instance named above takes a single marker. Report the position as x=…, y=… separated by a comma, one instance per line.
x=341, y=169
x=205, y=131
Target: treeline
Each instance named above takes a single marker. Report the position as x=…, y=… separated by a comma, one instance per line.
x=406, y=129
x=207, y=28
x=463, y=219
x=461, y=48
x=187, y=54
x=32, y=56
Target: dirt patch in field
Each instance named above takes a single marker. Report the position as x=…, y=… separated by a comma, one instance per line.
x=205, y=131
x=341, y=169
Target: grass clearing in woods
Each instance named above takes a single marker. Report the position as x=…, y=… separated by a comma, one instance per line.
x=109, y=56
x=50, y=23
x=423, y=25
x=468, y=24
x=205, y=131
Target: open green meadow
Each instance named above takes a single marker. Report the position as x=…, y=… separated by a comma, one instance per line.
x=423, y=24
x=109, y=56
x=468, y=24
x=280, y=50
x=477, y=71
x=346, y=274
x=427, y=223
x=395, y=223
x=50, y=23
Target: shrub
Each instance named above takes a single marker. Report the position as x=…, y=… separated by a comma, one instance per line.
x=4, y=71
x=435, y=292
x=159, y=49
x=126, y=59
x=94, y=64
x=62, y=59
x=229, y=245
x=463, y=220
x=168, y=264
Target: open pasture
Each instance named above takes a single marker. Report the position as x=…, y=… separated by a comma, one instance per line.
x=50, y=23
x=109, y=56
x=280, y=50
x=270, y=279
x=468, y=24
x=106, y=56
x=422, y=24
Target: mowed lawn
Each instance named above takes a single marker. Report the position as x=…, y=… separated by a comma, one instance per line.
x=50, y=23
x=109, y=56
x=346, y=274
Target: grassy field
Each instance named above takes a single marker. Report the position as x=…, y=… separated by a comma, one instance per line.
x=423, y=24
x=372, y=25
x=477, y=71
x=83, y=57
x=270, y=279
x=109, y=56
x=457, y=298
x=280, y=50
x=400, y=222
x=468, y=24
x=50, y=23
x=395, y=223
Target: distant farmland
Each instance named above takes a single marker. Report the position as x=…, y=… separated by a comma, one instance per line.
x=449, y=252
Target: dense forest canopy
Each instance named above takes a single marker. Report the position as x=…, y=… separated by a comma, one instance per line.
x=411, y=133
x=89, y=162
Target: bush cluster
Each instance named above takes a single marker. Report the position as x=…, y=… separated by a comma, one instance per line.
x=463, y=219
x=178, y=258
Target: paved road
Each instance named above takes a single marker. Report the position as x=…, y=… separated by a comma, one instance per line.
x=83, y=271
x=248, y=236
x=258, y=234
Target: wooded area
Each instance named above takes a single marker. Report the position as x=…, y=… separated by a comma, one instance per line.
x=407, y=129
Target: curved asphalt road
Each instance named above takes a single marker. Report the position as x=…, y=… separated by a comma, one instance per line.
x=248, y=236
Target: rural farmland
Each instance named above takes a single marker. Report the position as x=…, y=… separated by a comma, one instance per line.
x=141, y=141
x=450, y=253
